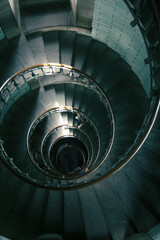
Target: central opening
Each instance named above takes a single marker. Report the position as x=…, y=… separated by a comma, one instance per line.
x=69, y=155
x=70, y=159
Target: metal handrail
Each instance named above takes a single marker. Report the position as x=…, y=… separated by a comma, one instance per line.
x=135, y=147
x=83, y=115
x=49, y=186
x=36, y=71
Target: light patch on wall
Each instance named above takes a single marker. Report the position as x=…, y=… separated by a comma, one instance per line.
x=1, y=37
x=154, y=233
x=3, y=238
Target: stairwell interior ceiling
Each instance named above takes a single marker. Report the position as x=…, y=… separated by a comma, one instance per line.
x=111, y=25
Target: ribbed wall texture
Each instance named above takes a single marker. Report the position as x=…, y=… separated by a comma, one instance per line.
x=111, y=25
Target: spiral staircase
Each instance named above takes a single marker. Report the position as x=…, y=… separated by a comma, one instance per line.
x=79, y=126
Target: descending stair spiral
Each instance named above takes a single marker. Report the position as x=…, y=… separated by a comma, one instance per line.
x=76, y=128
x=62, y=119
x=63, y=142
x=63, y=131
